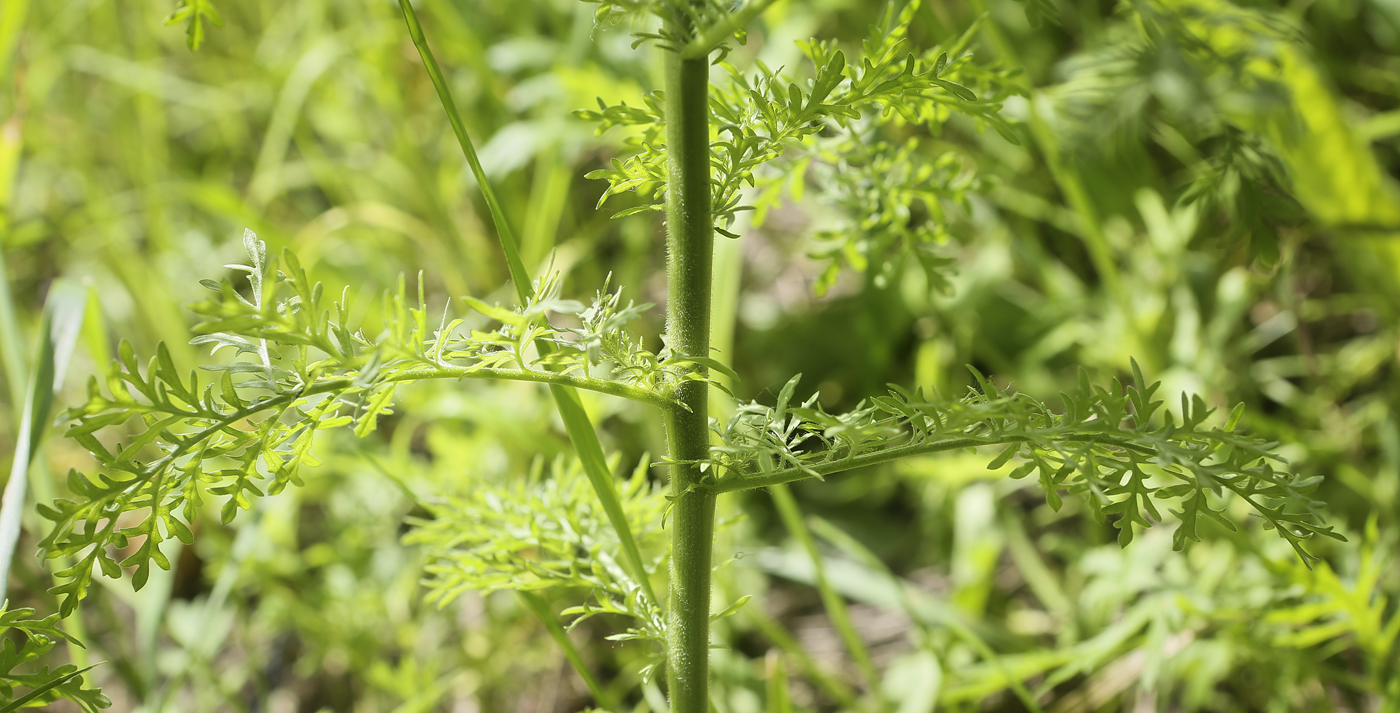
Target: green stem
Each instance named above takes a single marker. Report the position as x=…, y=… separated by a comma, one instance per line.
x=731, y=483
x=690, y=254
x=700, y=47
x=553, y=378
x=566, y=399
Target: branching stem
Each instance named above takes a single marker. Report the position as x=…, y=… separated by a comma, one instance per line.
x=587, y=383
x=733, y=483
x=700, y=47
x=329, y=385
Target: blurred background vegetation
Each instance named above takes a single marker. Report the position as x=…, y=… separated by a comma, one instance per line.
x=1204, y=186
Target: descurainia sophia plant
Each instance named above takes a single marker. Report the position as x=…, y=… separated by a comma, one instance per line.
x=300, y=367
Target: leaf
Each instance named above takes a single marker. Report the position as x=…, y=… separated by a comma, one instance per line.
x=61, y=677
x=1004, y=129
x=59, y=328
x=1039, y=12
x=195, y=12
x=955, y=89
x=1098, y=448
x=548, y=533
x=732, y=609
x=635, y=210
x=1004, y=457
x=785, y=397
x=500, y=314
x=709, y=363
x=378, y=404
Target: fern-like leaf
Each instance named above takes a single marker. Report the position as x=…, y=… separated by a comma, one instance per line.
x=1109, y=446
x=248, y=431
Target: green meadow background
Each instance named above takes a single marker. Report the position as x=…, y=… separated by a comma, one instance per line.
x=1205, y=186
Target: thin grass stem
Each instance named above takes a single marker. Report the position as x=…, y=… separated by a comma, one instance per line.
x=580, y=428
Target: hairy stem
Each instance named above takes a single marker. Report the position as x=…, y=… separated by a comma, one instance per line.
x=689, y=244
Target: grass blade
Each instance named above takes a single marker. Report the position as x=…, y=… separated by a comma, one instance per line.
x=833, y=603
x=861, y=554
x=59, y=328
x=779, y=699
x=576, y=421
x=595, y=465
x=11, y=339
x=514, y=263
x=830, y=684
x=556, y=630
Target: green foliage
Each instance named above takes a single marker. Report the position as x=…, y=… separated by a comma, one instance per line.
x=195, y=13
x=313, y=372
x=1156, y=128
x=1108, y=446
x=701, y=26
x=1198, y=76
x=24, y=641
x=763, y=118
x=890, y=204
x=543, y=532
x=1039, y=12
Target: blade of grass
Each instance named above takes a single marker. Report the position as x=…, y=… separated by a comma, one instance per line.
x=1042, y=581
x=835, y=606
x=12, y=15
x=853, y=547
x=59, y=327
x=556, y=630
x=427, y=699
x=11, y=351
x=549, y=195
x=780, y=637
x=315, y=62
x=779, y=699
x=595, y=465
x=576, y=421
x=11, y=341
x=508, y=244
x=95, y=330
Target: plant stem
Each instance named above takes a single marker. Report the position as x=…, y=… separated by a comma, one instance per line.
x=566, y=399
x=735, y=482
x=700, y=47
x=689, y=258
